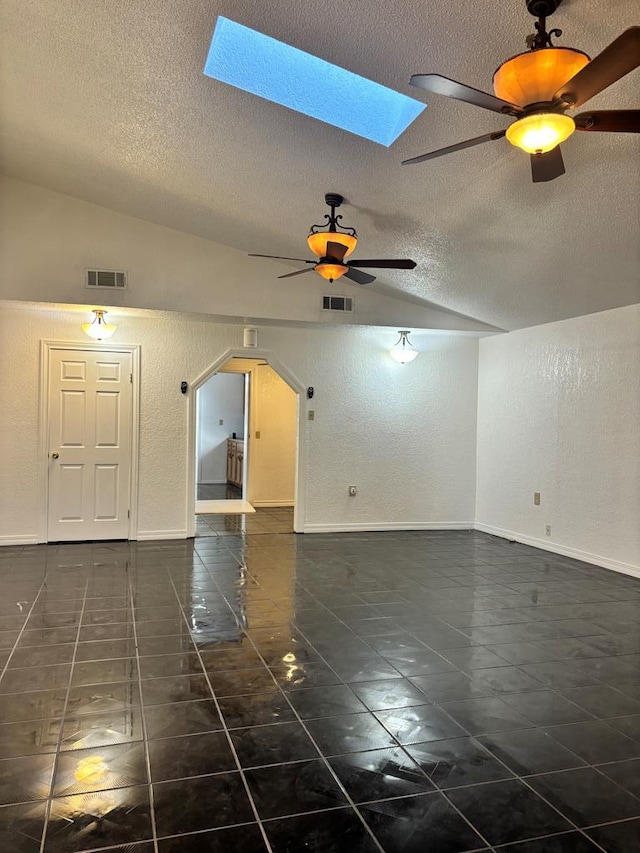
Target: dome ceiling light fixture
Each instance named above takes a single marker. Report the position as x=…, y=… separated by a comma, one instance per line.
x=99, y=329
x=538, y=86
x=402, y=351
x=331, y=243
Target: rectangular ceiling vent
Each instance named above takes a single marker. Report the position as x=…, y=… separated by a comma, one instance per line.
x=337, y=303
x=106, y=279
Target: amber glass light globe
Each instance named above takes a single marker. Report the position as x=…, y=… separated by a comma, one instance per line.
x=535, y=76
x=331, y=271
x=318, y=242
x=537, y=134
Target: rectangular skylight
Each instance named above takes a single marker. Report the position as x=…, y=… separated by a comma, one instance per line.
x=285, y=75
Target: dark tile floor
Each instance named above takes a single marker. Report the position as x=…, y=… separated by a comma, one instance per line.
x=254, y=690
x=264, y=520
x=218, y=492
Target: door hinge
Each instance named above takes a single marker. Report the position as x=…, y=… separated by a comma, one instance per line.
x=128, y=513
x=131, y=378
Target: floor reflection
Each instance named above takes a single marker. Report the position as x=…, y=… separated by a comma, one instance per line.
x=353, y=691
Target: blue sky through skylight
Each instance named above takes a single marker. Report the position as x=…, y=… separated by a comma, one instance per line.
x=285, y=75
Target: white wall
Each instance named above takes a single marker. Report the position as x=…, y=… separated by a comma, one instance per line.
x=559, y=413
x=404, y=434
x=221, y=398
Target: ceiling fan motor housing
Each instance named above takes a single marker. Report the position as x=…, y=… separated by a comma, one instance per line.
x=333, y=199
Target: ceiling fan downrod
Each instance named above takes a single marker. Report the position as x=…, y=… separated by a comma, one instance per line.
x=542, y=9
x=332, y=221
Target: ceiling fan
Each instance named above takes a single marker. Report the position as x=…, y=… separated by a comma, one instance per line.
x=538, y=86
x=331, y=246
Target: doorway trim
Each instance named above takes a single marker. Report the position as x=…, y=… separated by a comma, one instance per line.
x=46, y=347
x=192, y=427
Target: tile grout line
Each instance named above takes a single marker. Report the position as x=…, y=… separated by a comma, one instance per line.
x=494, y=693
x=544, y=687
x=435, y=704
x=455, y=721
x=63, y=718
x=23, y=629
x=225, y=729
x=301, y=722
x=297, y=716
x=143, y=722
x=516, y=777
x=405, y=747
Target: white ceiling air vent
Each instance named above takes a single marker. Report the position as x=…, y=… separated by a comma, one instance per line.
x=337, y=303
x=106, y=279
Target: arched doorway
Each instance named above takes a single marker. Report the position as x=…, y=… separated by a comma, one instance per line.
x=264, y=447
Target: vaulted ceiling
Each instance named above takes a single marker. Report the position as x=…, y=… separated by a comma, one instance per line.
x=107, y=102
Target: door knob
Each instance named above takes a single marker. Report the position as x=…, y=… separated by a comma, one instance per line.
x=55, y=455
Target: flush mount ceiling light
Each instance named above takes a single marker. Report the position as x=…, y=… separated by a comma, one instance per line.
x=277, y=72
x=331, y=243
x=537, y=88
x=402, y=351
x=99, y=330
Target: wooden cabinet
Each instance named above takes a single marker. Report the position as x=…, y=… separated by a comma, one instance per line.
x=235, y=456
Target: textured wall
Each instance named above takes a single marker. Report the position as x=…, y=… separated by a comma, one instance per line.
x=559, y=413
x=405, y=435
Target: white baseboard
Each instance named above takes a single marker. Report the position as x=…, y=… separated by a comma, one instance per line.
x=564, y=550
x=366, y=527
x=26, y=539
x=273, y=503
x=145, y=535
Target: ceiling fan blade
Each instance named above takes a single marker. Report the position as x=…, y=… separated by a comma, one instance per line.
x=359, y=277
x=336, y=251
x=546, y=167
x=297, y=272
x=387, y=264
x=609, y=121
x=621, y=57
x=279, y=258
x=460, y=92
x=469, y=143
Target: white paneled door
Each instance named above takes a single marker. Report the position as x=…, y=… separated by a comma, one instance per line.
x=90, y=397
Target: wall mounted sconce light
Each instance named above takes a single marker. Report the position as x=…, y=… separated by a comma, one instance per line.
x=402, y=351
x=99, y=329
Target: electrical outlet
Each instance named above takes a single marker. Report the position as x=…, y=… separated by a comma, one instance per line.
x=547, y=530
x=311, y=415
x=352, y=491
x=220, y=422
x=536, y=498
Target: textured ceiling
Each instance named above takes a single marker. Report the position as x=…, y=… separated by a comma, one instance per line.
x=107, y=102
